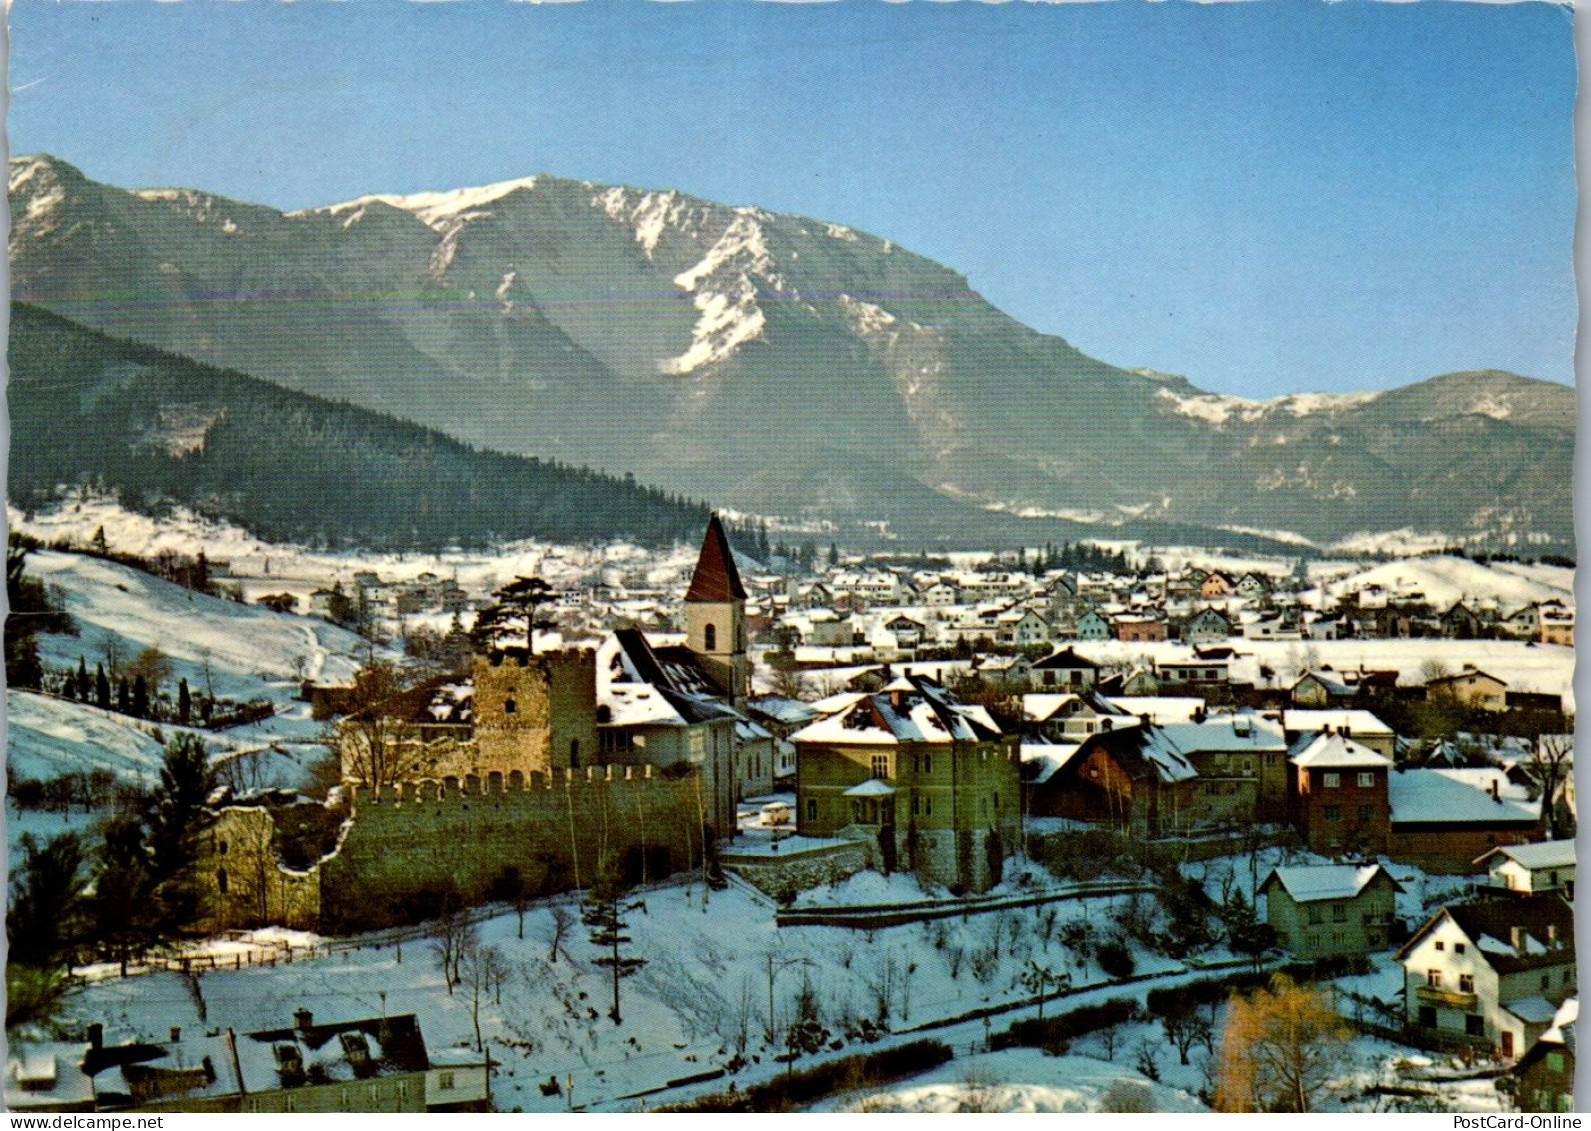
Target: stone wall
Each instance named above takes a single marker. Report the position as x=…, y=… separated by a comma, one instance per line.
x=240, y=880
x=784, y=874
x=410, y=850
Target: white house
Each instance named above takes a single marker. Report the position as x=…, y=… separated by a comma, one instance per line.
x=1492, y=973
x=1547, y=866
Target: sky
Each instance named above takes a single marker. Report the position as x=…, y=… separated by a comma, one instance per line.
x=1265, y=197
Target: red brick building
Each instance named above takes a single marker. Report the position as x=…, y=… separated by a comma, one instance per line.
x=1339, y=795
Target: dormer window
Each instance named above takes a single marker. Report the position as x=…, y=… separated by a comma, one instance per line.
x=710, y=638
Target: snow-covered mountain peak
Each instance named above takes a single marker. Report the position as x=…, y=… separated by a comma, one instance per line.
x=1219, y=408
x=724, y=284
x=435, y=209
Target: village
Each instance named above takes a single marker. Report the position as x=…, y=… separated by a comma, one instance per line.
x=1065, y=800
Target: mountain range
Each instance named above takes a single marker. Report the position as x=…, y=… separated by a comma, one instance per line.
x=765, y=362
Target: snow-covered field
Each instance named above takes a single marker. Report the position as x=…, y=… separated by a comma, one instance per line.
x=1444, y=580
x=263, y=567
x=705, y=982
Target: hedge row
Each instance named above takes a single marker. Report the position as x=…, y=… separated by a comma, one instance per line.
x=808, y=1086
x=1165, y=1000
x=1053, y=1031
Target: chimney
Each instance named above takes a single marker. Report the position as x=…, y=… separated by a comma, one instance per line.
x=96, y=1036
x=176, y=1033
x=1496, y=795
x=303, y=1019
x=1516, y=936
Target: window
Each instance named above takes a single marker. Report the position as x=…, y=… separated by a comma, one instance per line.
x=881, y=766
x=917, y=806
x=710, y=638
x=928, y=806
x=509, y=706
x=1333, y=812
x=1546, y=981
x=1474, y=1025
x=1314, y=915
x=1367, y=779
x=1339, y=913
x=1555, y=1062
x=1433, y=979
x=1440, y=945
x=1459, y=948
x=1332, y=780
x=1466, y=983
x=1366, y=812
x=1427, y=1016
x=812, y=809
x=445, y=1081
x=928, y=763
x=220, y=880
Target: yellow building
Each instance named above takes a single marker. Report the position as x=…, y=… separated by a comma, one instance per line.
x=930, y=784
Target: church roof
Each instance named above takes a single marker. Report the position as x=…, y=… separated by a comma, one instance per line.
x=716, y=579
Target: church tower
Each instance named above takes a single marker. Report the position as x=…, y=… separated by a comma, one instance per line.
x=715, y=615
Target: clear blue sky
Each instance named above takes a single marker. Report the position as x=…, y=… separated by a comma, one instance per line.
x=1266, y=197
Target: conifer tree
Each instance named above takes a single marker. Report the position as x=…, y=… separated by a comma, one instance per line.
x=605, y=915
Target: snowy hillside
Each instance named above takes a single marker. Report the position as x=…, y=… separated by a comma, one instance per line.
x=1444, y=580
x=233, y=651
x=47, y=737
x=213, y=643
x=262, y=566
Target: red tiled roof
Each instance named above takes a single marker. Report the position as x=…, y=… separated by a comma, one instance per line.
x=716, y=579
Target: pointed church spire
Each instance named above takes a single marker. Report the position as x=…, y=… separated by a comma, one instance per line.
x=716, y=579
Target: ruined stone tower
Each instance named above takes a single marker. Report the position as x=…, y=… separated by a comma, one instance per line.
x=535, y=713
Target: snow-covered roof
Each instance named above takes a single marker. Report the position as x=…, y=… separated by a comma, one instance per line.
x=925, y=713
x=1040, y=760
x=1227, y=732
x=1039, y=706
x=1160, y=708
x=872, y=787
x=1448, y=796
x=1308, y=883
x=1333, y=751
x=1547, y=854
x=1333, y=682
x=1353, y=721
x=46, y=1075
x=1532, y=1010
x=1563, y=1022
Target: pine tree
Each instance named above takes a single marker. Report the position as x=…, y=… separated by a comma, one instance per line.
x=101, y=688
x=184, y=702
x=605, y=914
x=124, y=697
x=81, y=687
x=140, y=697
x=186, y=780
